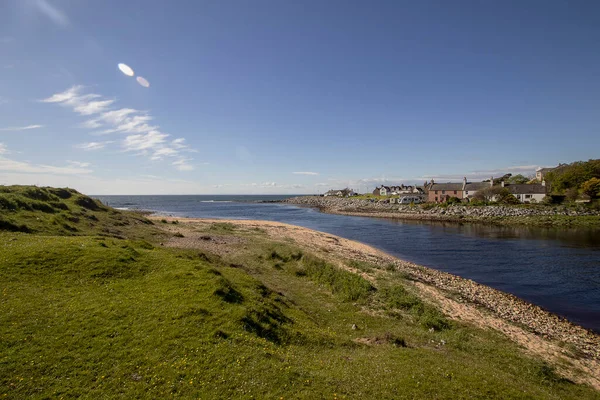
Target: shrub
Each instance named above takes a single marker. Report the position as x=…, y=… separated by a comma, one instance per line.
x=427, y=206
x=591, y=187
x=453, y=200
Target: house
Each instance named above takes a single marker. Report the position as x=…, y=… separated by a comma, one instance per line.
x=472, y=188
x=394, y=190
x=540, y=173
x=527, y=193
x=340, y=193
x=441, y=192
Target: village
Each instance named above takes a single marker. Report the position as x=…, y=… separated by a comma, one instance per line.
x=532, y=191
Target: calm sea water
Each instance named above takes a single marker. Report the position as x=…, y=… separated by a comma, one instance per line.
x=556, y=269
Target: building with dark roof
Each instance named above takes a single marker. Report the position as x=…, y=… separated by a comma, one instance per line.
x=441, y=192
x=527, y=193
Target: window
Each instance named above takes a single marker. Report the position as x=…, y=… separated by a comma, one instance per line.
x=436, y=199
x=455, y=192
x=527, y=196
x=436, y=193
x=443, y=192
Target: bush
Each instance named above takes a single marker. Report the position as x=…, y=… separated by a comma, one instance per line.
x=397, y=297
x=427, y=206
x=453, y=200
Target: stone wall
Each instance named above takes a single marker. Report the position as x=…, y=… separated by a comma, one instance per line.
x=350, y=205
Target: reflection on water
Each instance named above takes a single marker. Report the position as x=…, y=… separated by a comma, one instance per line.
x=558, y=269
x=577, y=237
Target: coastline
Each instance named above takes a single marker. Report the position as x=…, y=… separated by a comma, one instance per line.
x=493, y=215
x=540, y=332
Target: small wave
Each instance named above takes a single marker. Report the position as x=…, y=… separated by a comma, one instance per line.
x=216, y=201
x=122, y=208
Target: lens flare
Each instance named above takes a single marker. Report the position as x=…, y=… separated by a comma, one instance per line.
x=143, y=81
x=126, y=69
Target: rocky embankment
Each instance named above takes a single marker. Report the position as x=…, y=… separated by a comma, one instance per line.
x=350, y=206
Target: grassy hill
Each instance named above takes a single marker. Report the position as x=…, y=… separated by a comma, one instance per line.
x=92, y=305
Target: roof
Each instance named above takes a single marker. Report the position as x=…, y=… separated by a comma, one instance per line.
x=477, y=186
x=526, y=189
x=546, y=169
x=446, y=186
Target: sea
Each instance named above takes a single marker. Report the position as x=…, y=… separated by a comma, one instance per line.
x=557, y=269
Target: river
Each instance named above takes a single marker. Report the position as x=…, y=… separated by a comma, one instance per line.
x=557, y=269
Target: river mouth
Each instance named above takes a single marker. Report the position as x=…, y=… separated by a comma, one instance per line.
x=556, y=269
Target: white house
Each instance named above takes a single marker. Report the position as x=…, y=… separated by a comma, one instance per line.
x=533, y=193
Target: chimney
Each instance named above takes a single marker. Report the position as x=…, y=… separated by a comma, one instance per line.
x=491, y=181
x=464, y=183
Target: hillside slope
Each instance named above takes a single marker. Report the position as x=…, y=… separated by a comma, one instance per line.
x=104, y=309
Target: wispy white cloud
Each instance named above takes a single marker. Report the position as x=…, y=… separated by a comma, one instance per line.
x=24, y=167
x=305, y=173
x=67, y=96
x=178, y=143
x=78, y=164
x=93, y=145
x=53, y=13
x=92, y=107
x=144, y=142
x=21, y=128
x=9, y=165
x=183, y=164
x=143, y=137
x=165, y=151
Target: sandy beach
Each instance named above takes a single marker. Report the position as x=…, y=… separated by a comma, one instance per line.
x=539, y=332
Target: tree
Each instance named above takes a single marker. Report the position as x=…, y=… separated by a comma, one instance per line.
x=453, y=200
x=572, y=194
x=518, y=179
x=573, y=175
x=488, y=194
x=506, y=197
x=498, y=194
x=591, y=187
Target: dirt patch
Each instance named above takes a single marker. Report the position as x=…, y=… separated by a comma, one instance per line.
x=186, y=237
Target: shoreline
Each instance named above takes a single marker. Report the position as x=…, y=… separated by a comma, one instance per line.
x=555, y=217
x=542, y=333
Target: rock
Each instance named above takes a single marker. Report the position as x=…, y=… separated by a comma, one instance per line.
x=354, y=327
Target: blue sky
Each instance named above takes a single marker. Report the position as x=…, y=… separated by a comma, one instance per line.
x=293, y=96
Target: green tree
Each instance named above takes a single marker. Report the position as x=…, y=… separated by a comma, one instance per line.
x=506, y=197
x=572, y=194
x=518, y=179
x=488, y=194
x=591, y=187
x=573, y=175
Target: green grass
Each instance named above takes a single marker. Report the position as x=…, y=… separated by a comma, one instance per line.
x=52, y=211
x=96, y=316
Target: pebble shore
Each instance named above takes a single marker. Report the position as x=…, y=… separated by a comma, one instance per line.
x=364, y=207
